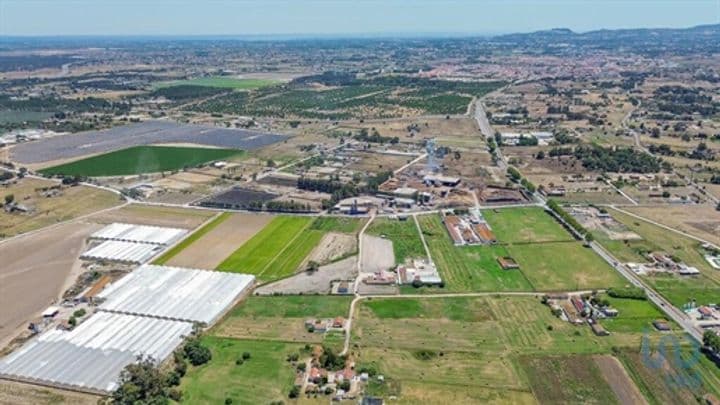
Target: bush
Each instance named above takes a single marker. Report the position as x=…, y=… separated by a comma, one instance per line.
x=175, y=394
x=246, y=355
x=79, y=313
x=196, y=353
x=294, y=392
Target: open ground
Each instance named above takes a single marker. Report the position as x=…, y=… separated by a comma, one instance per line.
x=29, y=283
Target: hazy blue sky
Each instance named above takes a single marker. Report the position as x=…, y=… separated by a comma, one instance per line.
x=225, y=17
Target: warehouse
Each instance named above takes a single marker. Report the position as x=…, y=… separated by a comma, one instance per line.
x=139, y=233
x=175, y=293
x=92, y=356
x=124, y=252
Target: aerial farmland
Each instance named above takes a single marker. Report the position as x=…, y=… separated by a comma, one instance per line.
x=523, y=218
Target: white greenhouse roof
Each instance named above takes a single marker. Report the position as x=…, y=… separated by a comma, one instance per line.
x=128, y=252
x=140, y=233
x=175, y=293
x=92, y=356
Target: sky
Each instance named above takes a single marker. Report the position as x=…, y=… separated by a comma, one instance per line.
x=342, y=17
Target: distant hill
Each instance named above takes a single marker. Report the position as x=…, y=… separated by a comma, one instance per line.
x=640, y=40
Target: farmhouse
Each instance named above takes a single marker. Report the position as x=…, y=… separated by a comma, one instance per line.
x=421, y=271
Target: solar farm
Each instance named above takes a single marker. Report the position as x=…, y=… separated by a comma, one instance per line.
x=145, y=133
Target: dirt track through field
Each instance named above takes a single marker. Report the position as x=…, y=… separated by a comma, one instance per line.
x=621, y=384
x=34, y=270
x=215, y=246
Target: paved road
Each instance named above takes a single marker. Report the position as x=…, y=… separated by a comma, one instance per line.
x=487, y=131
x=675, y=314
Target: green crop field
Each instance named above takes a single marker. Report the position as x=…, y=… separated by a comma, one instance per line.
x=263, y=378
x=141, y=159
x=337, y=224
x=192, y=238
x=524, y=225
x=403, y=234
x=276, y=251
x=222, y=82
x=297, y=306
x=564, y=266
x=633, y=315
x=468, y=309
x=469, y=268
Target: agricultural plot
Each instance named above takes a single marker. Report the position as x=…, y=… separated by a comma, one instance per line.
x=380, y=98
x=484, y=347
x=403, y=234
x=563, y=266
x=141, y=159
x=576, y=379
x=263, y=378
x=172, y=217
x=469, y=268
x=276, y=251
x=208, y=246
x=337, y=224
x=525, y=225
x=667, y=380
x=224, y=82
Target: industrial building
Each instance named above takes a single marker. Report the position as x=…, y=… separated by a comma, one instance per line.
x=175, y=293
x=139, y=234
x=92, y=356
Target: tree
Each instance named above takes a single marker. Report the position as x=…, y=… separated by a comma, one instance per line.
x=141, y=382
x=9, y=199
x=196, y=352
x=313, y=266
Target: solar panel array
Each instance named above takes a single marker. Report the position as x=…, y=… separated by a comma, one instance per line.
x=144, y=133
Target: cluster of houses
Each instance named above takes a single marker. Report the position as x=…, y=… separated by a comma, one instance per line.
x=470, y=229
x=659, y=262
x=578, y=310
x=416, y=272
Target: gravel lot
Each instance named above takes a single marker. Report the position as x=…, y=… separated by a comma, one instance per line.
x=377, y=254
x=144, y=133
x=318, y=282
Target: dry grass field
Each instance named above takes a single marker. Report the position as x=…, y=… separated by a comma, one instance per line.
x=155, y=215
x=702, y=221
x=212, y=248
x=25, y=394
x=447, y=131
x=71, y=202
